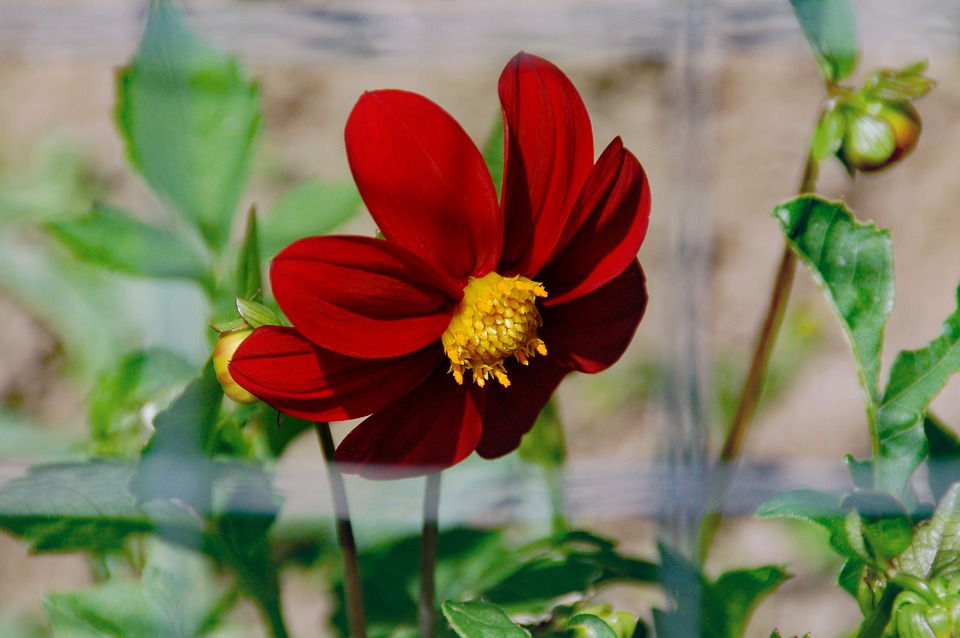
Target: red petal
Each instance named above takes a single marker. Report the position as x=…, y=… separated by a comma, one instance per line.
x=606, y=229
x=424, y=182
x=433, y=427
x=511, y=412
x=288, y=372
x=360, y=296
x=591, y=332
x=548, y=145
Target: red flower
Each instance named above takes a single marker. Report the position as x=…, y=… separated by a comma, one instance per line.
x=454, y=332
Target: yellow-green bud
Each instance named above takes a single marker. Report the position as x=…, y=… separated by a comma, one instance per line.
x=879, y=135
x=223, y=352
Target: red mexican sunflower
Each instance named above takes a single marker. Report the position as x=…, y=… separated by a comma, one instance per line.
x=454, y=332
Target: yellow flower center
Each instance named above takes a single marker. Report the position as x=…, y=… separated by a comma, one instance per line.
x=497, y=319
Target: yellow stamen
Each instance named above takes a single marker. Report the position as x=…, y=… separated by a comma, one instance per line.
x=497, y=319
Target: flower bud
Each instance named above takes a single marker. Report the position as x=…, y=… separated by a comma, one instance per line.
x=878, y=134
x=227, y=345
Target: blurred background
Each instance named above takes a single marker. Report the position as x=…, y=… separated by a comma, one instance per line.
x=716, y=98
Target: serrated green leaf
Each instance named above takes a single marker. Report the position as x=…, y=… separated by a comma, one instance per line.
x=881, y=529
x=174, y=599
x=935, y=550
x=813, y=506
x=313, y=207
x=493, y=155
x=831, y=30
x=249, y=279
x=111, y=238
x=477, y=619
x=590, y=626
x=68, y=507
x=916, y=377
x=189, y=118
x=853, y=265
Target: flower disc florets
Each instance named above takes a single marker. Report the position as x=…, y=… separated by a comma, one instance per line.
x=496, y=319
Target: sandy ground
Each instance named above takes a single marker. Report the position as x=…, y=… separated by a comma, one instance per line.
x=760, y=100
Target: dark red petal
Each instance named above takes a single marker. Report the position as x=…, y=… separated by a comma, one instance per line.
x=361, y=296
x=606, y=229
x=591, y=332
x=424, y=182
x=548, y=148
x=288, y=372
x=434, y=426
x=510, y=412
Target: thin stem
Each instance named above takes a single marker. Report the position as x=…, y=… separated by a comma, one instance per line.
x=428, y=556
x=752, y=388
x=353, y=593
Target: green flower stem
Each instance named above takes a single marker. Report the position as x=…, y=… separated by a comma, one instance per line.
x=353, y=593
x=753, y=384
x=428, y=556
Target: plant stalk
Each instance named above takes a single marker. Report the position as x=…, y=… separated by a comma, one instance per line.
x=752, y=388
x=428, y=556
x=353, y=594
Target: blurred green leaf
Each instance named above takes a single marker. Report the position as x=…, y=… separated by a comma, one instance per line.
x=477, y=619
x=249, y=282
x=881, y=526
x=813, y=506
x=710, y=609
x=116, y=402
x=111, y=238
x=545, y=444
x=916, y=377
x=589, y=626
x=898, y=85
x=935, y=551
x=176, y=597
x=189, y=118
x=311, y=208
x=944, y=462
x=831, y=30
x=853, y=265
x=828, y=136
x=176, y=464
x=493, y=154
x=67, y=507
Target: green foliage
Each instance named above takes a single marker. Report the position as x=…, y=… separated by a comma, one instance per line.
x=312, y=207
x=935, y=551
x=831, y=30
x=493, y=155
x=590, y=626
x=477, y=619
x=545, y=443
x=189, y=118
x=249, y=283
x=73, y=506
x=706, y=608
x=944, y=451
x=113, y=239
x=175, y=597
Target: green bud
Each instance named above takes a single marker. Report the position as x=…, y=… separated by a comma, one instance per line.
x=223, y=352
x=877, y=134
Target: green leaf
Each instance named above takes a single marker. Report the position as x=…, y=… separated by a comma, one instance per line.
x=256, y=314
x=589, y=626
x=249, y=281
x=493, y=155
x=117, y=401
x=935, y=551
x=177, y=597
x=916, y=378
x=828, y=136
x=68, y=507
x=111, y=238
x=853, y=265
x=813, y=506
x=944, y=463
x=711, y=609
x=312, y=207
x=175, y=464
x=189, y=118
x=478, y=619
x=831, y=30
x=898, y=85
x=881, y=522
